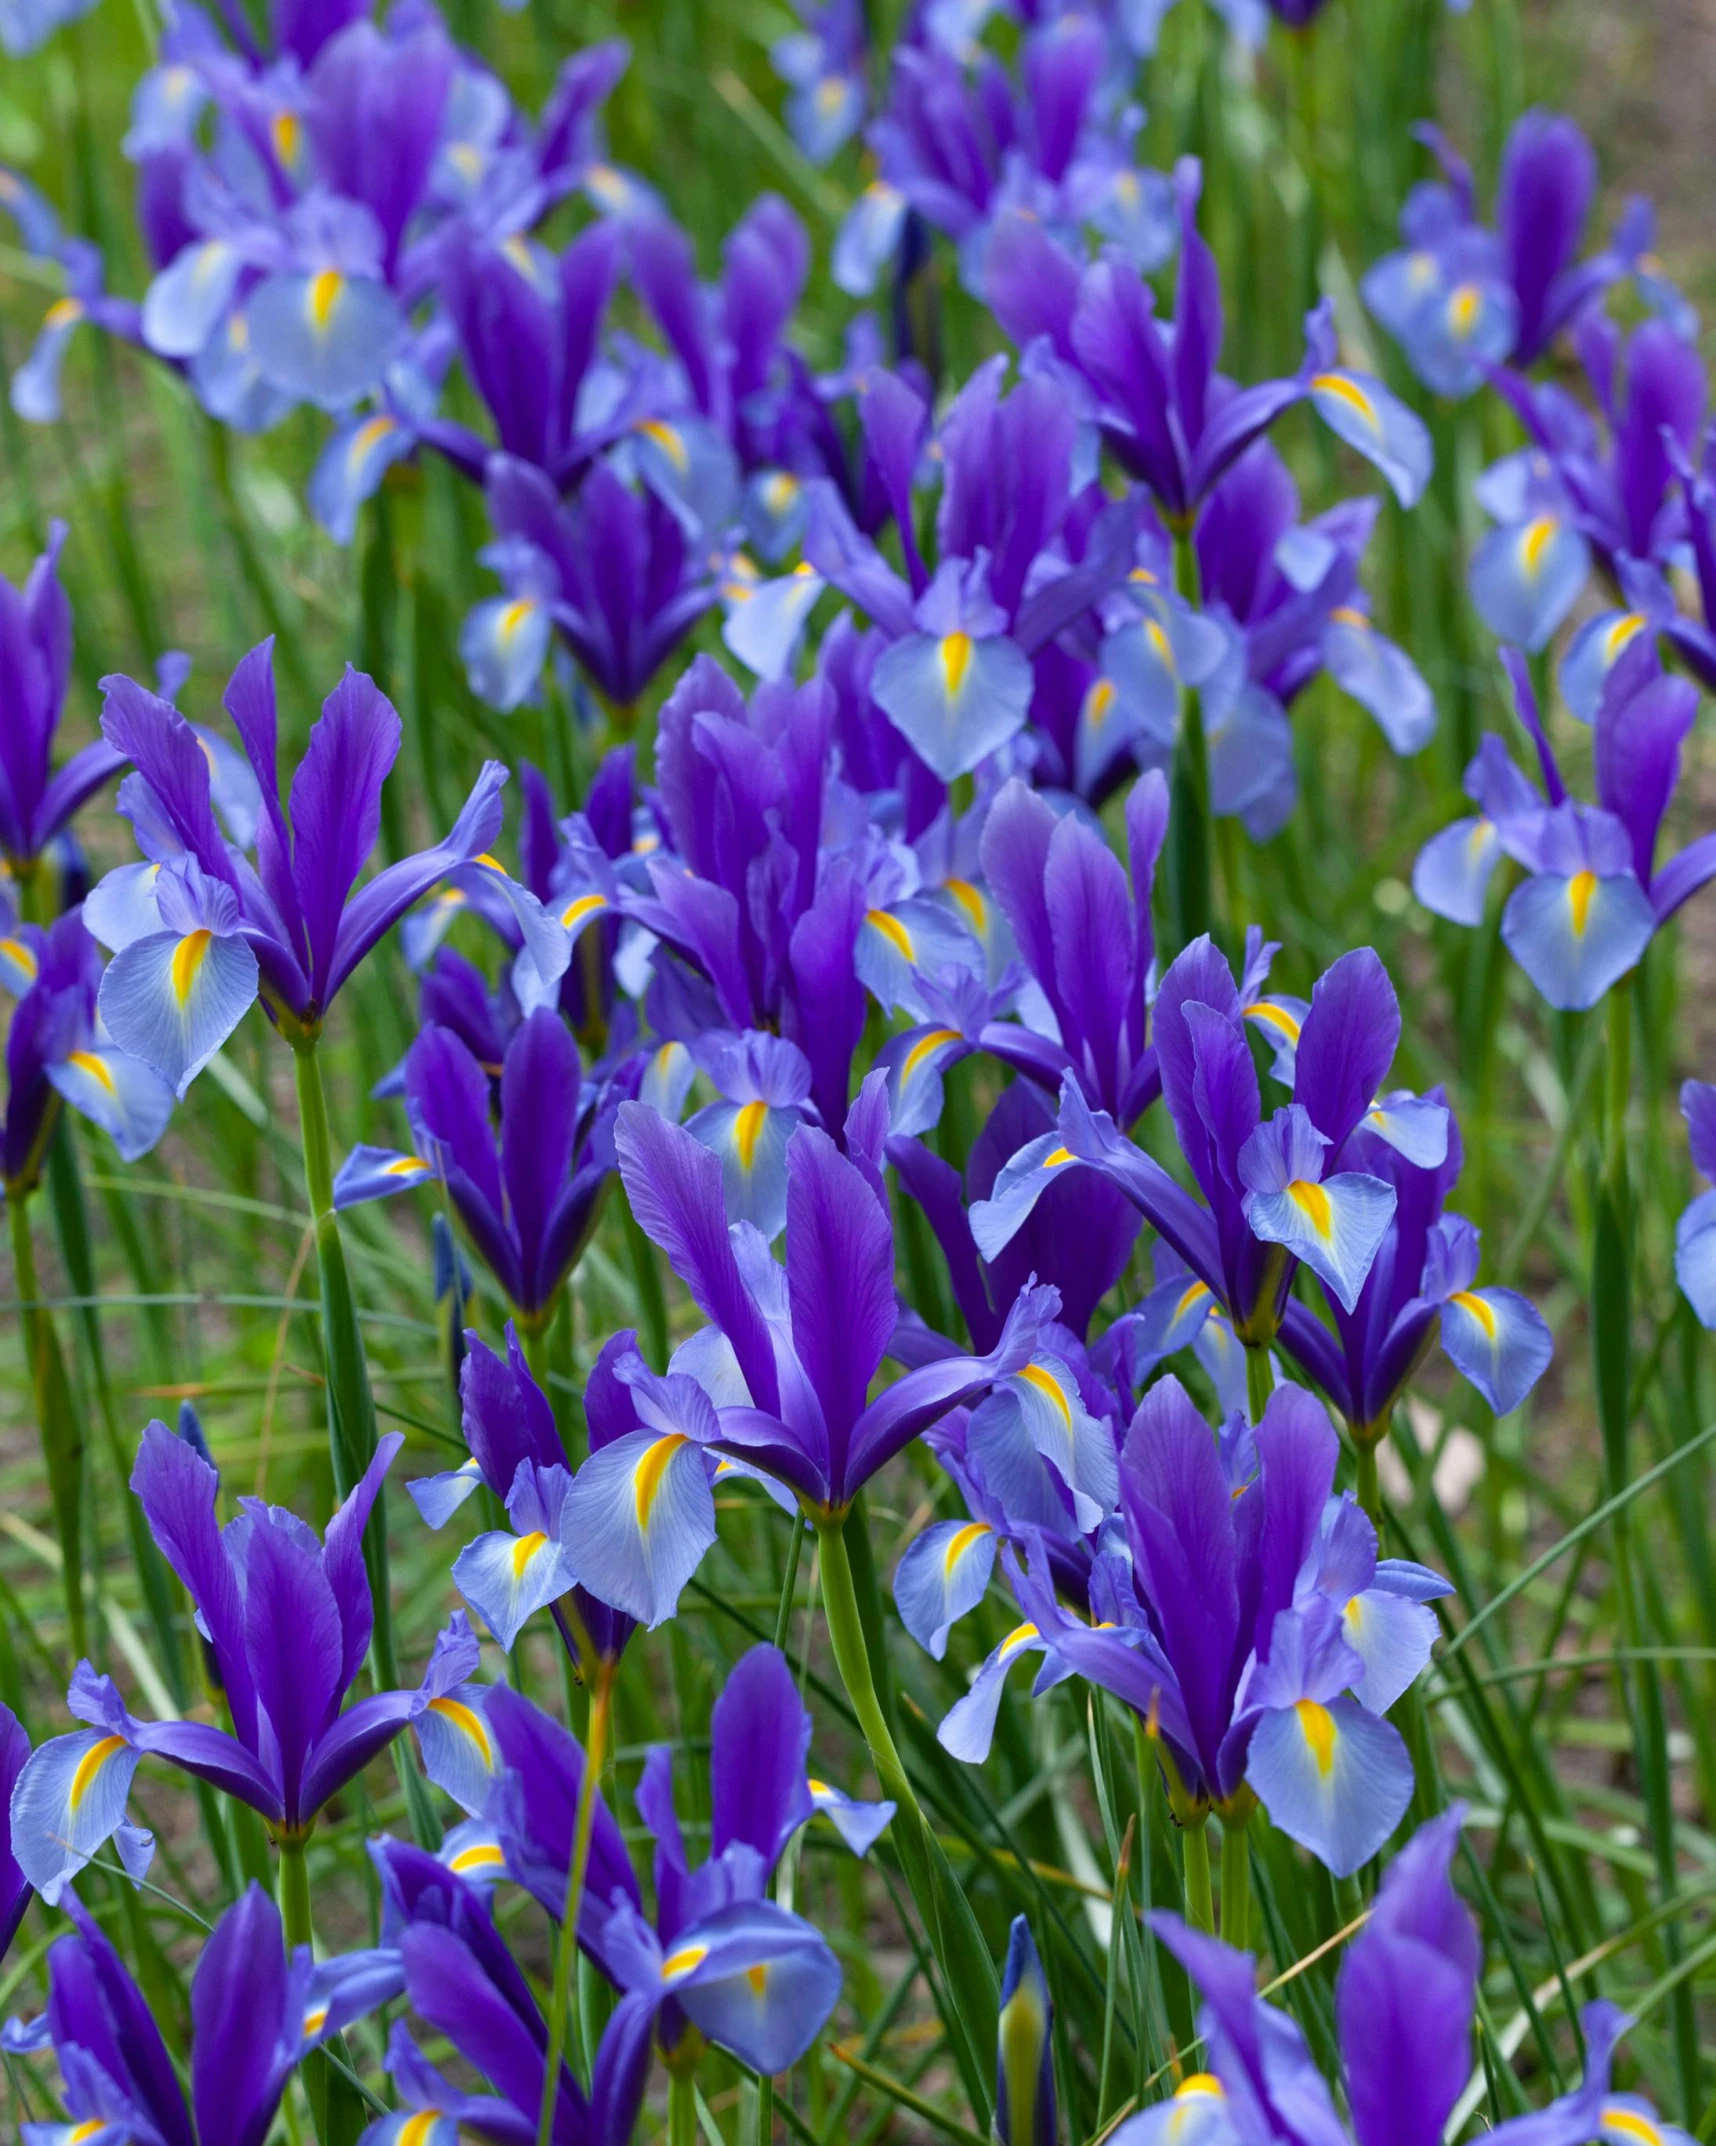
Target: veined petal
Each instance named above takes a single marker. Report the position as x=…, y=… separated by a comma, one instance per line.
x=914, y=940
x=503, y=644
x=867, y=241
x=860, y=1824
x=358, y=456
x=459, y=1756
x=1592, y=653
x=326, y=337
x=125, y=1097
x=1392, y=1636
x=952, y=698
x=915, y=1063
x=186, y=301
x=507, y=1578
x=943, y=1575
x=69, y=1798
x=755, y=1980
x=1413, y=1126
x=1380, y=677
x=765, y=618
x=641, y=1515
x=1453, y=871
x=751, y=1140
x=1019, y=1185
x=1334, y=1778
x=968, y=1728
x=1377, y=425
x=1574, y=937
x=1695, y=1256
x=1334, y=1227
x=376, y=1173
x=438, y=1497
x=472, y=1850
x=1526, y=578
x=173, y=1001
x=1078, y=1448
x=1499, y=1340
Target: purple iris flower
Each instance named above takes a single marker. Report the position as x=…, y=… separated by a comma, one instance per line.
x=1594, y=895
x=1166, y=412
x=462, y=1982
x=823, y=66
x=1275, y=1190
x=788, y=1356
x=1695, y=1232
x=528, y=1199
x=14, y=1886
x=198, y=932
x=1025, y=2057
x=1403, y=2007
x=58, y=1051
x=256, y=2012
x=1461, y=298
x=1248, y=1623
x=37, y=800
x=288, y=1623
x=720, y=1956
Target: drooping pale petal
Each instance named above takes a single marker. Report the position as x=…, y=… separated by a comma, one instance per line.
x=1498, y=1338
x=1078, y=1447
x=1453, y=870
x=751, y=1140
x=438, y=1497
x=190, y=295
x=1361, y=411
x=125, y=1097
x=68, y=1800
x=954, y=699
x=859, y=1824
x=459, y=1756
x=326, y=337
x=1334, y=1227
x=968, y=1728
x=357, y=457
x=766, y=618
x=503, y=644
x=1576, y=935
x=173, y=998
x=1413, y=1125
x=1695, y=1256
x=640, y=1515
x=1380, y=677
x=376, y=1173
x=507, y=1578
x=755, y=1980
x=1592, y=653
x=1526, y=578
x=943, y=1575
x=1333, y=1777
x=1392, y=1635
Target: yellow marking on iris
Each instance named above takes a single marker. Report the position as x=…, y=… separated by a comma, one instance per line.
x=646, y=1483
x=970, y=899
x=1479, y=837
x=416, y=2128
x=18, y=951
x=955, y=660
x=925, y=1044
x=1159, y=642
x=605, y=183
x=893, y=931
x=517, y=250
x=1098, y=701
x=1421, y=269
x=96, y=1068
x=484, y=1855
x=1626, y=628
x=490, y=862
x=1056, y=1156
x=1273, y=1017
x=466, y=159
x=515, y=614
x=1143, y=574
x=469, y=1722
x=403, y=1165
x=1046, y=1383
x=1463, y=307
x=1200, y=2082
x=325, y=288
x=758, y=1977
x=586, y=905
x=1189, y=1297
x=1017, y=1637
x=1534, y=541
x=1313, y=1203
x=1580, y=889
x=315, y=2021
x=818, y=1788
x=1318, y=1725
x=368, y=435
x=1349, y=392
x=238, y=332
x=1345, y=615
x=669, y=440
x=525, y=1549
x=1630, y=2124
x=683, y=1962
x=1477, y=1308
x=973, y=1531
x=188, y=958
x=780, y=491
x=747, y=1131
x=63, y=313
x=284, y=132
x=88, y=2129
x=90, y=1765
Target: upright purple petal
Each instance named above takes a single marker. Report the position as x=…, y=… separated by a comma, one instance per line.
x=336, y=809
x=1347, y=1043
x=840, y=1278
x=241, y=2039
x=759, y=1739
x=293, y=1640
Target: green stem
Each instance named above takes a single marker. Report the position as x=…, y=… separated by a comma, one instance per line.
x=1259, y=1381
x=1189, y=836
x=57, y=1422
x=566, y=1946
x=681, y=2109
x=1235, y=1881
x=1200, y=1900
x=295, y=1889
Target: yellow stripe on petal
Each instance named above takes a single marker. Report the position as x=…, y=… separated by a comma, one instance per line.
x=1630, y=2124
x=955, y=660
x=325, y=289
x=369, y=434
x=758, y=1977
x=586, y=905
x=88, y=2129
x=403, y=1165
x=188, y=958
x=970, y=899
x=1273, y=1017
x=1318, y=1725
x=1626, y=628
x=417, y=2127
x=1056, y=1156
x=21, y=954
x=685, y=1961
x=1046, y=1383
x=747, y=1131
x=893, y=931
x=1099, y=700
x=646, y=1483
x=469, y=1722
x=670, y=440
x=818, y=1788
x=96, y=1068
x=1580, y=889
x=63, y=313
x=1463, y=305
x=527, y=1548
x=1535, y=540
x=1349, y=392
x=89, y=1767
x=973, y=1532
x=1345, y=615
x=1189, y=1296
x=484, y=1855
x=1017, y=1638
x=925, y=1044
x=515, y=614
x=284, y=130
x=1159, y=641
x=1313, y=1203
x=1200, y=2082
x=1475, y=1306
